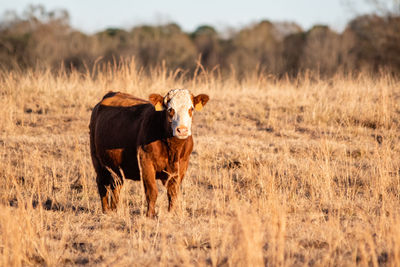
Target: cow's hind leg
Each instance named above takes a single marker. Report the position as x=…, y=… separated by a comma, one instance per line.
x=103, y=176
x=103, y=186
x=116, y=189
x=109, y=186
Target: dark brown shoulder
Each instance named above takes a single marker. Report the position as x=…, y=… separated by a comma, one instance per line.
x=118, y=99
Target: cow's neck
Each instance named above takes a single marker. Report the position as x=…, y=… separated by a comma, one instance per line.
x=174, y=150
x=175, y=146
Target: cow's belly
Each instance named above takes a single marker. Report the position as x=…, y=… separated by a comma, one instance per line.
x=131, y=170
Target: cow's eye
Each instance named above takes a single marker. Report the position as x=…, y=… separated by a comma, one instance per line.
x=190, y=112
x=171, y=111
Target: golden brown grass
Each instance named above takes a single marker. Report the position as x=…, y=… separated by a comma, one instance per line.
x=283, y=173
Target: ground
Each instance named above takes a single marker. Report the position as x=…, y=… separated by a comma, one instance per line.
x=283, y=173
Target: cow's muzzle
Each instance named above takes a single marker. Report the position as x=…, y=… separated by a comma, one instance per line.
x=181, y=132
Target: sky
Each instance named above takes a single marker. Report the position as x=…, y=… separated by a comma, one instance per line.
x=95, y=15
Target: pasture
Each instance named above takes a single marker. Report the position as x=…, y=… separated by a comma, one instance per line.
x=283, y=173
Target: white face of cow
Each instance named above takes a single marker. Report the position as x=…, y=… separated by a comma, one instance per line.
x=179, y=105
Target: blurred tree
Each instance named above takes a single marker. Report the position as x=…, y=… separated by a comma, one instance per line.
x=381, y=7
x=321, y=51
x=256, y=47
x=207, y=43
x=293, y=47
x=41, y=38
x=113, y=44
x=154, y=44
x=36, y=38
x=374, y=42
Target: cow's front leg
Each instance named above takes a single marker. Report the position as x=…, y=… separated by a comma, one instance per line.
x=148, y=175
x=174, y=182
x=150, y=189
x=172, y=185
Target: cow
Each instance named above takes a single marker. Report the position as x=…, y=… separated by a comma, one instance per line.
x=132, y=138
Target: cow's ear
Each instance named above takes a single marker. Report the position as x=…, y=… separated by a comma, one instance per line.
x=157, y=101
x=199, y=101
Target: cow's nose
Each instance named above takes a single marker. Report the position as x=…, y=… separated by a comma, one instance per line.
x=182, y=130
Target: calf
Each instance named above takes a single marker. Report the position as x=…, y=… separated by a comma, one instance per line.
x=137, y=139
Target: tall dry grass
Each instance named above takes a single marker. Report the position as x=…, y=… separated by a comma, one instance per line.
x=301, y=172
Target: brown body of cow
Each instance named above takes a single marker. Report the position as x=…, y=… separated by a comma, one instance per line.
x=139, y=140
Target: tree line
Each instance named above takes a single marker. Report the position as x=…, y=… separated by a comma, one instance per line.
x=40, y=38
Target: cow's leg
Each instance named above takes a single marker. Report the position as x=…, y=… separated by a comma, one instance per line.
x=116, y=189
x=103, y=186
x=115, y=197
x=148, y=176
x=172, y=192
x=173, y=184
x=151, y=191
x=172, y=189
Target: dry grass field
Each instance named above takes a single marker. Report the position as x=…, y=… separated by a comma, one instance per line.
x=283, y=173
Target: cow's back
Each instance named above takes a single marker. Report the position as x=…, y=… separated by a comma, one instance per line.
x=115, y=129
